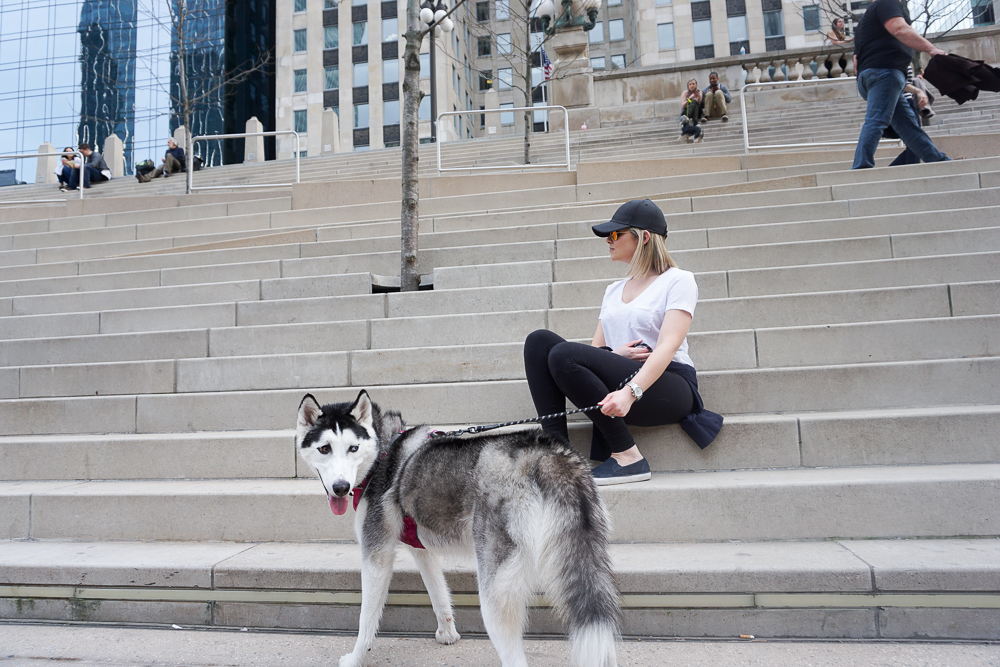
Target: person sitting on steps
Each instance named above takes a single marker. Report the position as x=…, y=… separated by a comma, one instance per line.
x=691, y=104
x=716, y=97
x=94, y=171
x=642, y=335
x=173, y=162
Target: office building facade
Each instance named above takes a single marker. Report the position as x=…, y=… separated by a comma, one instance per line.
x=75, y=71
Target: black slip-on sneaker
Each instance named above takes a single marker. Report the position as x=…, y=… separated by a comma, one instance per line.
x=611, y=472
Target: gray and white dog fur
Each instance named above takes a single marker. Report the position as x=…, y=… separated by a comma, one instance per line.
x=524, y=504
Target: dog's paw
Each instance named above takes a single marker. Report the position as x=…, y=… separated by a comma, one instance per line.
x=350, y=661
x=447, y=634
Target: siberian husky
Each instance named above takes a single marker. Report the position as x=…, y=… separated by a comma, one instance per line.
x=524, y=505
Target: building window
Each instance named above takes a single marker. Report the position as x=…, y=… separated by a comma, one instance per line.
x=484, y=47
x=614, y=3
x=506, y=77
x=483, y=11
x=331, y=37
x=425, y=65
x=507, y=117
x=503, y=44
x=660, y=3
x=773, y=25
x=390, y=30
x=774, y=31
x=359, y=3
x=703, y=44
x=390, y=112
x=810, y=18
x=983, y=12
x=360, y=75
x=300, y=40
x=301, y=121
x=424, y=110
x=665, y=35
x=618, y=62
x=360, y=116
x=616, y=30
x=502, y=10
x=597, y=34
x=330, y=4
x=455, y=79
x=300, y=80
x=598, y=63
x=738, y=35
x=360, y=33
x=331, y=80
x=390, y=71
x=300, y=5
x=485, y=80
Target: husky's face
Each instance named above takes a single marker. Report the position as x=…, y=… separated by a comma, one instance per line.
x=339, y=443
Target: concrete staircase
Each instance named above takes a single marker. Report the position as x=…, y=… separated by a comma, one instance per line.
x=153, y=354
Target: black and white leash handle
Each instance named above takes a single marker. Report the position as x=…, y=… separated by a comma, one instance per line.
x=489, y=427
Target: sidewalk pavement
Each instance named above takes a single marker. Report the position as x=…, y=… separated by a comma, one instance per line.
x=35, y=645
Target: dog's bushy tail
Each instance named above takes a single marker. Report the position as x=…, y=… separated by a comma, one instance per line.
x=580, y=581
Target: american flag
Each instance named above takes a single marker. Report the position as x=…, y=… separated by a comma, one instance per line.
x=546, y=64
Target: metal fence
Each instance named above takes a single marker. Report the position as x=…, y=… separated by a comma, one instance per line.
x=514, y=166
x=83, y=163
x=190, y=161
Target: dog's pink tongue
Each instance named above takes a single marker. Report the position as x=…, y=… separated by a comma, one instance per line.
x=338, y=505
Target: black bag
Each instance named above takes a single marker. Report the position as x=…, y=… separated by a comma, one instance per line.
x=197, y=163
x=143, y=168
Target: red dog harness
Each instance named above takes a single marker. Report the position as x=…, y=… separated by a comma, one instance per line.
x=408, y=535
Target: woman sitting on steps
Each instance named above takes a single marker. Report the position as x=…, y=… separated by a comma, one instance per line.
x=642, y=331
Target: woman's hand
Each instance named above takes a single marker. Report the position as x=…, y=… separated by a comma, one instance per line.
x=630, y=351
x=617, y=403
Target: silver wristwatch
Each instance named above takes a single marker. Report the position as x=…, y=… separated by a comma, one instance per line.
x=636, y=390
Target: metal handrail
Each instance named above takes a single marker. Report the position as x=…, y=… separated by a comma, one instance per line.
x=513, y=166
x=190, y=161
x=83, y=164
x=801, y=82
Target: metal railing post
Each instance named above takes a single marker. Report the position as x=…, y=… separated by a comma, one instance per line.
x=83, y=165
x=568, y=166
x=746, y=132
x=190, y=161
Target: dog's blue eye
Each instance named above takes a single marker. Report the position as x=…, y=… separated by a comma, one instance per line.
x=352, y=449
x=325, y=449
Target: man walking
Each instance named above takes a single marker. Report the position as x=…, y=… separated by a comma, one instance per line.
x=883, y=47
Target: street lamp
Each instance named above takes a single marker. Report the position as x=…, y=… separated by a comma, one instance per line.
x=586, y=14
x=434, y=17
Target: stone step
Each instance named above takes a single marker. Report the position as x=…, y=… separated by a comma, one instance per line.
x=883, y=385
x=907, y=436
x=772, y=505
x=670, y=589
x=439, y=359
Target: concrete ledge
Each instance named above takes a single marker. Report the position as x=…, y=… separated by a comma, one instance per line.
x=135, y=377
x=228, y=455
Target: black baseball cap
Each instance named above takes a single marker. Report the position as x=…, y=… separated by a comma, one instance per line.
x=638, y=213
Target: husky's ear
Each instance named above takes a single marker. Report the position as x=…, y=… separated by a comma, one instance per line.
x=362, y=409
x=309, y=414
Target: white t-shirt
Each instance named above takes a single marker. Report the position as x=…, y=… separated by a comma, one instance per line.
x=674, y=289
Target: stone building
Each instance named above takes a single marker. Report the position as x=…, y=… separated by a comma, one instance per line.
x=346, y=57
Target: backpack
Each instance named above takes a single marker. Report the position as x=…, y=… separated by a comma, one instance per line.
x=144, y=167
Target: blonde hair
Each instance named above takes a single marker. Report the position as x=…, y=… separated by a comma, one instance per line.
x=649, y=257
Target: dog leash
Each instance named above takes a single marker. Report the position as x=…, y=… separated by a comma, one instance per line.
x=489, y=427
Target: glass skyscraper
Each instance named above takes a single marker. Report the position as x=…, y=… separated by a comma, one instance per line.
x=76, y=71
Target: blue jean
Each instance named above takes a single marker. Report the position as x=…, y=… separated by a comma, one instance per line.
x=883, y=89
x=64, y=175
x=90, y=174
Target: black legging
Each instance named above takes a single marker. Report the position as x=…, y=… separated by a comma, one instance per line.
x=557, y=370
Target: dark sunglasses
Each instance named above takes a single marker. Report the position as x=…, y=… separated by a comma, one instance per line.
x=613, y=236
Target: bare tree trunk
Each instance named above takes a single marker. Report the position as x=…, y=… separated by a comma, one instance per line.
x=185, y=98
x=409, y=275
x=527, y=82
